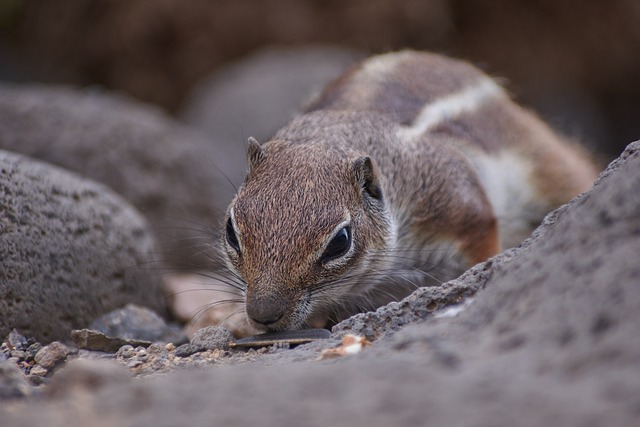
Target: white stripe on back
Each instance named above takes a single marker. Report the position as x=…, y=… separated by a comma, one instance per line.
x=468, y=100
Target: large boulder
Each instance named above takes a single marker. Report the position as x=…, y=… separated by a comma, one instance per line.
x=70, y=250
x=163, y=169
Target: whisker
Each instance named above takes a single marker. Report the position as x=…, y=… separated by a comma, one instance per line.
x=235, y=188
x=203, y=309
x=235, y=313
x=223, y=291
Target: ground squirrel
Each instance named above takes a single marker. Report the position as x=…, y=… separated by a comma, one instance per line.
x=405, y=171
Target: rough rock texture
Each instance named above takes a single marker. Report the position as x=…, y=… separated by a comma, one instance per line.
x=207, y=338
x=550, y=340
x=88, y=339
x=51, y=355
x=212, y=338
x=420, y=305
x=70, y=250
x=163, y=169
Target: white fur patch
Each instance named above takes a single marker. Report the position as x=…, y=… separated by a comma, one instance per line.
x=454, y=310
x=506, y=178
x=468, y=100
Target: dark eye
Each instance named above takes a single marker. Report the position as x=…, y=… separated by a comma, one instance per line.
x=232, y=239
x=338, y=246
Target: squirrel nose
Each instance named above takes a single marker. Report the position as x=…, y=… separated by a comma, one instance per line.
x=266, y=310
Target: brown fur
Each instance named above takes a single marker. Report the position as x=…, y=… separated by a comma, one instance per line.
x=441, y=204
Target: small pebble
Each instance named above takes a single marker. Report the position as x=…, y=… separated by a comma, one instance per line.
x=280, y=346
x=38, y=371
x=125, y=352
x=32, y=351
x=20, y=354
x=186, y=350
x=52, y=354
x=155, y=349
x=15, y=340
x=170, y=346
x=134, y=322
x=134, y=364
x=212, y=338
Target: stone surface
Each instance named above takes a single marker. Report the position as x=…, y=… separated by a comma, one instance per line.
x=420, y=305
x=166, y=171
x=53, y=354
x=71, y=249
x=88, y=339
x=85, y=376
x=550, y=339
x=138, y=323
x=212, y=338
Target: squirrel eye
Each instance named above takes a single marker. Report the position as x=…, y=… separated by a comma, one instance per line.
x=232, y=238
x=338, y=246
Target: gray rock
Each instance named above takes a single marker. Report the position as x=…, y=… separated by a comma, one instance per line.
x=88, y=339
x=138, y=323
x=22, y=352
x=212, y=338
x=186, y=350
x=15, y=340
x=51, y=355
x=71, y=249
x=125, y=352
x=420, y=305
x=551, y=339
x=163, y=169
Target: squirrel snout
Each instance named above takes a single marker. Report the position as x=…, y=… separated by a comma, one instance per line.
x=266, y=310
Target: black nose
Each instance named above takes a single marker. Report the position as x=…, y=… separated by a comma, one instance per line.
x=265, y=310
x=266, y=321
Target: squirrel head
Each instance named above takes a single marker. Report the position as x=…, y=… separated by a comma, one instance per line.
x=302, y=230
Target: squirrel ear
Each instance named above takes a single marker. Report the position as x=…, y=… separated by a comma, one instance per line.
x=255, y=153
x=367, y=177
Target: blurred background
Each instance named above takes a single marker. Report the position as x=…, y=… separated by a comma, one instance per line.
x=576, y=62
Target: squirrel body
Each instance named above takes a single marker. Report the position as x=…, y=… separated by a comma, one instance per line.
x=406, y=171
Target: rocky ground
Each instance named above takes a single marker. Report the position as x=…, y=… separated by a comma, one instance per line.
x=548, y=338
x=543, y=334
